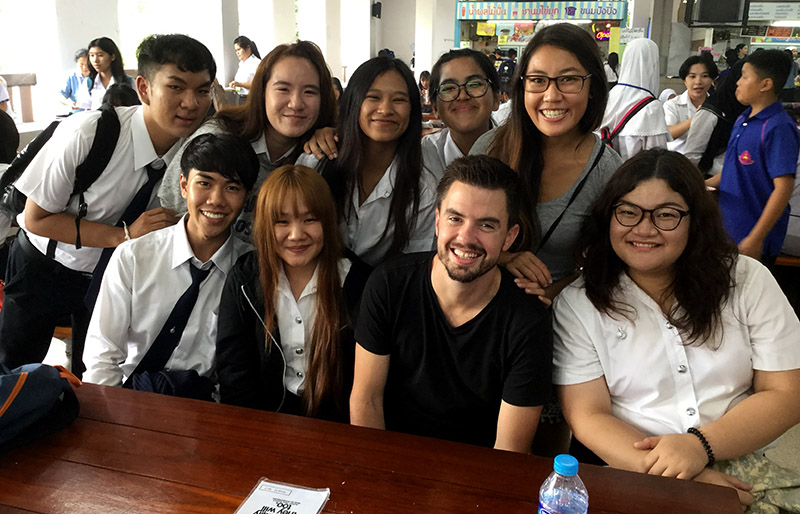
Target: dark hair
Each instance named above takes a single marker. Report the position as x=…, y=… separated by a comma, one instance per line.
x=344, y=175
x=121, y=95
x=249, y=121
x=690, y=61
x=480, y=59
x=613, y=61
x=9, y=138
x=512, y=53
x=117, y=68
x=518, y=142
x=424, y=75
x=81, y=53
x=245, y=42
x=187, y=54
x=704, y=273
x=226, y=154
x=740, y=46
x=486, y=173
x=338, y=85
x=771, y=64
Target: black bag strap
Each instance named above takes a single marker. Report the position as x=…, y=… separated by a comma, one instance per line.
x=609, y=136
x=27, y=154
x=571, y=199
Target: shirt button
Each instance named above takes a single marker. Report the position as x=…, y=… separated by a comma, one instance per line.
x=682, y=369
x=298, y=320
x=299, y=374
x=669, y=325
x=690, y=411
x=299, y=351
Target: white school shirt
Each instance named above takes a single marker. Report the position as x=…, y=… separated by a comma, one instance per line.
x=246, y=72
x=703, y=124
x=143, y=282
x=296, y=324
x=92, y=99
x=677, y=110
x=50, y=177
x=439, y=150
x=659, y=384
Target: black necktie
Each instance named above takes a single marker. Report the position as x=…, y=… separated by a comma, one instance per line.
x=135, y=209
x=170, y=335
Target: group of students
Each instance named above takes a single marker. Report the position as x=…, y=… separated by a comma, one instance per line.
x=664, y=344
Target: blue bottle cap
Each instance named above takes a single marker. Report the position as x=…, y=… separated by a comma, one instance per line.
x=566, y=465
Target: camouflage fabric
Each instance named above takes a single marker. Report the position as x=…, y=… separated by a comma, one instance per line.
x=776, y=489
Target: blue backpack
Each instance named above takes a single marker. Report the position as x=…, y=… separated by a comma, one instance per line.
x=35, y=400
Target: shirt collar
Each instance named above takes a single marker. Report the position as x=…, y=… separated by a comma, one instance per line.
x=384, y=187
x=143, y=151
x=182, y=250
x=451, y=151
x=285, y=289
x=766, y=112
x=260, y=146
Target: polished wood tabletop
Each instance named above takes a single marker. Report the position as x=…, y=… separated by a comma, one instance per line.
x=132, y=452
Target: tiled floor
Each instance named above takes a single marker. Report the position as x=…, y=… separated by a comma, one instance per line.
x=786, y=453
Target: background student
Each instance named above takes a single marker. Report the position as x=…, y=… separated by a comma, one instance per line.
x=672, y=352
x=698, y=75
x=249, y=58
x=290, y=98
x=291, y=350
x=144, y=329
x=105, y=68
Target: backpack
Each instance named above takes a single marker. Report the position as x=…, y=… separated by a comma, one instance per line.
x=607, y=137
x=13, y=201
x=35, y=400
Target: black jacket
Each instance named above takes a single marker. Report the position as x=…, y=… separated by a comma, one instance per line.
x=249, y=376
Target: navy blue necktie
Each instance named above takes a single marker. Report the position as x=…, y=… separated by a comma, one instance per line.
x=170, y=335
x=135, y=209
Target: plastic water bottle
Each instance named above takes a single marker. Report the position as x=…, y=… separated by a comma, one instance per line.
x=563, y=492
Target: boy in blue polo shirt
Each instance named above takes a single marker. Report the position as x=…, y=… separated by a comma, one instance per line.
x=758, y=175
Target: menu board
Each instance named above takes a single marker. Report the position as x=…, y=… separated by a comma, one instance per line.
x=773, y=11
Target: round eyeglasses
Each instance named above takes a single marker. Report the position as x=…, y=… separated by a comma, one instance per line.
x=564, y=83
x=474, y=88
x=663, y=218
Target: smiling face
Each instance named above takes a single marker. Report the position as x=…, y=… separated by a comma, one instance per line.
x=697, y=83
x=175, y=103
x=647, y=251
x=472, y=230
x=299, y=236
x=554, y=113
x=465, y=114
x=214, y=202
x=386, y=108
x=292, y=99
x=100, y=59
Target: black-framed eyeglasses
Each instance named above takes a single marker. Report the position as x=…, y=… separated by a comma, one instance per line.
x=564, y=83
x=474, y=88
x=663, y=218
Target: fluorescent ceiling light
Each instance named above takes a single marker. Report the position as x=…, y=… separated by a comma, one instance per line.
x=786, y=23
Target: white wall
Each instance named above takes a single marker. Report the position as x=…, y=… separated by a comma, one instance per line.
x=397, y=28
x=356, y=35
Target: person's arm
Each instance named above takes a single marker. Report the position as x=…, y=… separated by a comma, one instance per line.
x=679, y=129
x=106, y=338
x=775, y=403
x=322, y=143
x=516, y=427
x=587, y=409
x=369, y=383
x=752, y=245
x=703, y=125
x=246, y=85
x=714, y=180
x=61, y=226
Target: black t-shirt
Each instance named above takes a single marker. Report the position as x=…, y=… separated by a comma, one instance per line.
x=447, y=382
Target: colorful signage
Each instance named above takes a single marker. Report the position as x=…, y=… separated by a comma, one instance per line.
x=542, y=10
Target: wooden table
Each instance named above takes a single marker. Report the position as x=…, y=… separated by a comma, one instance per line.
x=139, y=452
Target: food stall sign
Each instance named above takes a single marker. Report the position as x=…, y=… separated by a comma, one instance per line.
x=542, y=10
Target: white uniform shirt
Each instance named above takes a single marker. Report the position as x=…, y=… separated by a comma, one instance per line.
x=703, y=124
x=296, y=324
x=143, y=282
x=246, y=72
x=3, y=91
x=439, y=150
x=659, y=384
x=92, y=99
x=50, y=177
x=677, y=110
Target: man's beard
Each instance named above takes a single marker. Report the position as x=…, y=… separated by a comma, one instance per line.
x=459, y=274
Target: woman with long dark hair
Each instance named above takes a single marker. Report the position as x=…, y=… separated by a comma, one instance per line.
x=672, y=347
x=385, y=198
x=285, y=337
x=247, y=53
x=291, y=97
x=558, y=99
x=105, y=68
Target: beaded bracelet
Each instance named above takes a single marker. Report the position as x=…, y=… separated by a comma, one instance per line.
x=706, y=446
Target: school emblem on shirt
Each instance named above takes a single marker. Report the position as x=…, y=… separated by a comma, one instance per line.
x=745, y=158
